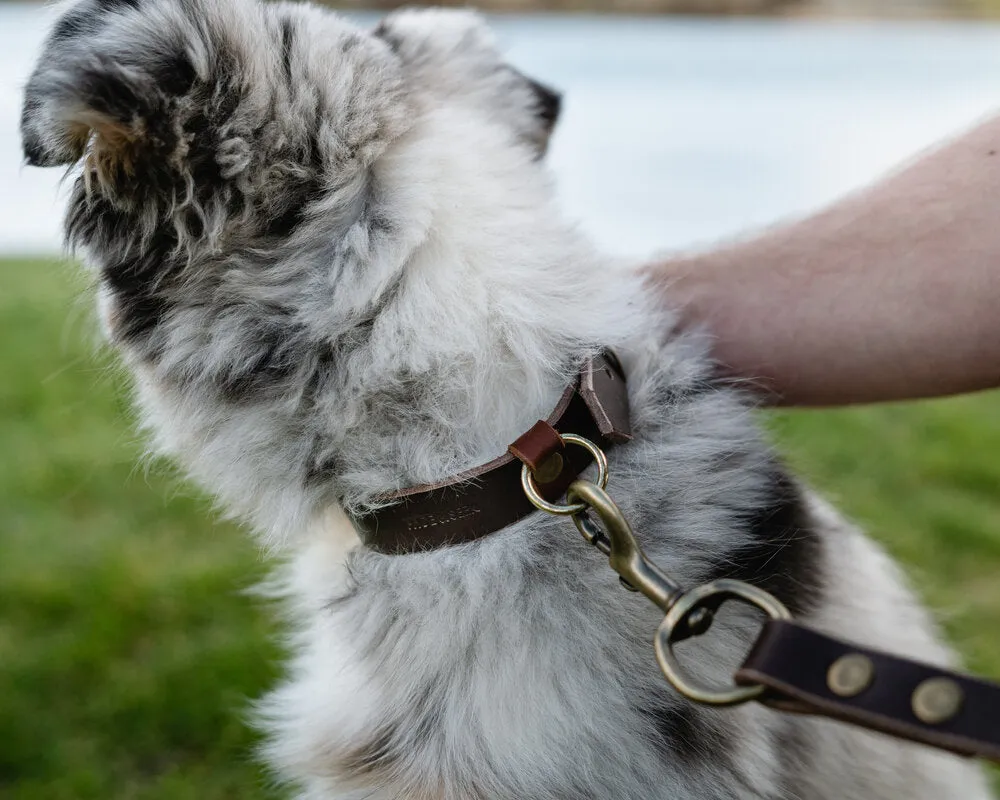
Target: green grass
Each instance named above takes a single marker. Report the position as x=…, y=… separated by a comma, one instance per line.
x=128, y=650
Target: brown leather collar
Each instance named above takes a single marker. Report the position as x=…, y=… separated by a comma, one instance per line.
x=489, y=497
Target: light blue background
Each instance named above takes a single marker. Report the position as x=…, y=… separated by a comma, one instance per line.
x=676, y=132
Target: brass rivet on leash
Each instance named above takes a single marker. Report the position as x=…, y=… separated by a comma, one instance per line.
x=550, y=469
x=937, y=700
x=850, y=675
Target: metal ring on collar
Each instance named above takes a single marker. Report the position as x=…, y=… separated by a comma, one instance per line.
x=567, y=509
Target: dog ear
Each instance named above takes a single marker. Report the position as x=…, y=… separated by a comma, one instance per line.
x=453, y=53
x=95, y=93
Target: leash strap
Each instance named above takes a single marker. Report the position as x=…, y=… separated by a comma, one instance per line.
x=807, y=672
x=790, y=667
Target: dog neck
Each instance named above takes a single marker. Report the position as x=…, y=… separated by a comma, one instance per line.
x=488, y=317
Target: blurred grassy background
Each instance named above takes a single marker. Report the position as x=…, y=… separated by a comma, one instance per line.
x=129, y=653
x=127, y=649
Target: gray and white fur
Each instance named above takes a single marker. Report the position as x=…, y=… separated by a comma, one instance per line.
x=332, y=261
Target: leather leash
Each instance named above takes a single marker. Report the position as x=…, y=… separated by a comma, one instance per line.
x=806, y=672
x=790, y=667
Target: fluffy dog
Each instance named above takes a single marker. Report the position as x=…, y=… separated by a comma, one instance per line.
x=331, y=259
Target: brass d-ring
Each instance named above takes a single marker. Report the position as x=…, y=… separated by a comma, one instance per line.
x=674, y=628
x=531, y=488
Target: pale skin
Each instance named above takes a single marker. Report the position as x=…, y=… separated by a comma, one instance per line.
x=892, y=293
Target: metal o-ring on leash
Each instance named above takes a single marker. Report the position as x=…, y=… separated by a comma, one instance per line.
x=709, y=596
x=534, y=495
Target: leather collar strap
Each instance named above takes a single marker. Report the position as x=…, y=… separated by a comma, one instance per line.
x=489, y=497
x=807, y=672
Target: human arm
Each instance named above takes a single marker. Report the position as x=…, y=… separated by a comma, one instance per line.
x=892, y=293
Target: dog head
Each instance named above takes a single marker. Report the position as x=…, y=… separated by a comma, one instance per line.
x=250, y=182
x=214, y=129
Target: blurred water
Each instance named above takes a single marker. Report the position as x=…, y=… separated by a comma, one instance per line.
x=675, y=132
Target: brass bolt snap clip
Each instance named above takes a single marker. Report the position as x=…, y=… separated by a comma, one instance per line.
x=688, y=613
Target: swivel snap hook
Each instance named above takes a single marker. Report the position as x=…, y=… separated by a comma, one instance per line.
x=619, y=543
